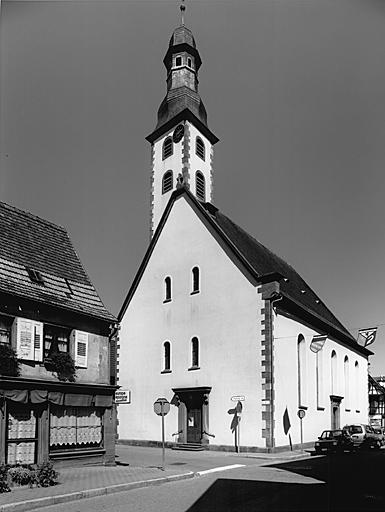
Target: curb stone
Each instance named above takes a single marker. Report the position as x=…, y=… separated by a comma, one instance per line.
x=21, y=506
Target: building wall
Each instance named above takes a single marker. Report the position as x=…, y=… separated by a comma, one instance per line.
x=226, y=318
x=354, y=405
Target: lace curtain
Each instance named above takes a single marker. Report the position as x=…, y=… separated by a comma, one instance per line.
x=75, y=426
x=21, y=425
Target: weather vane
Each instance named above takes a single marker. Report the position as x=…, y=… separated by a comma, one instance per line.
x=182, y=10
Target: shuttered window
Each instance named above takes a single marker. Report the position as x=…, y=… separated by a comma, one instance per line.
x=167, y=182
x=27, y=336
x=81, y=348
x=167, y=148
x=200, y=186
x=200, y=148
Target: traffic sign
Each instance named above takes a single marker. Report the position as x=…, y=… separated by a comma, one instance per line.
x=161, y=406
x=301, y=413
x=238, y=398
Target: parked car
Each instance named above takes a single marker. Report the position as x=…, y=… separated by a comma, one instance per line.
x=333, y=441
x=363, y=436
x=379, y=432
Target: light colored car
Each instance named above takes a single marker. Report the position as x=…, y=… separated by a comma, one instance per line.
x=363, y=436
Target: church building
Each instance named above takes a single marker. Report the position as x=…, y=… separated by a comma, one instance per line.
x=225, y=330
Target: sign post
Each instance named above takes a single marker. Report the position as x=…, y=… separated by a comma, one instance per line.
x=161, y=408
x=238, y=409
x=301, y=414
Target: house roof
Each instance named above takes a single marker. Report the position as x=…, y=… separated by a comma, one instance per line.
x=261, y=263
x=30, y=242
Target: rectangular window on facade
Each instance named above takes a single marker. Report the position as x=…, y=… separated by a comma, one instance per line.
x=5, y=329
x=27, y=337
x=74, y=428
x=56, y=339
x=21, y=434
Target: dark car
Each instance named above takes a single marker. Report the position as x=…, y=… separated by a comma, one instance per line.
x=333, y=441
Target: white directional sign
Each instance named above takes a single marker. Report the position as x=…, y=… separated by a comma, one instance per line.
x=238, y=398
x=122, y=396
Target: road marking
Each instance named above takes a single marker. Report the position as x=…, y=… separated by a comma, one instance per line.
x=221, y=468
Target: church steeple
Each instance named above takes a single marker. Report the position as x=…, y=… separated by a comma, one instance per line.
x=182, y=141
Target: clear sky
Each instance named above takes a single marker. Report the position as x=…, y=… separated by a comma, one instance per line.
x=294, y=89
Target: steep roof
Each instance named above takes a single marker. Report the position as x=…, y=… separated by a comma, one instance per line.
x=30, y=242
x=261, y=262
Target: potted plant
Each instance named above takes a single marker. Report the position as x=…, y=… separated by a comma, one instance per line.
x=9, y=363
x=63, y=365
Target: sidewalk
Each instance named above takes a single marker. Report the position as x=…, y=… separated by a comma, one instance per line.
x=136, y=467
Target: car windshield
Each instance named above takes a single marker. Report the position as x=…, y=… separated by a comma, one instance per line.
x=354, y=429
x=331, y=434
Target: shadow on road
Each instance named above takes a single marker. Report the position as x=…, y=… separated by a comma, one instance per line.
x=348, y=483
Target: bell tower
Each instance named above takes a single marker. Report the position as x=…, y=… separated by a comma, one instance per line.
x=182, y=143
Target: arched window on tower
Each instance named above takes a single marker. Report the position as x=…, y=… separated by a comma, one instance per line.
x=178, y=61
x=167, y=182
x=167, y=289
x=200, y=186
x=195, y=280
x=194, y=353
x=166, y=356
x=333, y=372
x=346, y=383
x=301, y=357
x=200, y=149
x=167, y=148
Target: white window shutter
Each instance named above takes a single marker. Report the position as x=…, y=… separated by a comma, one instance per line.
x=23, y=330
x=81, y=349
x=38, y=341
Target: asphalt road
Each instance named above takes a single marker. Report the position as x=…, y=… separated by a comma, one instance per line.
x=347, y=482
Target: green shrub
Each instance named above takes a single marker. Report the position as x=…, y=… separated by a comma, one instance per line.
x=22, y=475
x=9, y=364
x=46, y=475
x=63, y=364
x=4, y=485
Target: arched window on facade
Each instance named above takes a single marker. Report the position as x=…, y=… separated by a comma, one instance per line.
x=320, y=388
x=346, y=384
x=167, y=289
x=167, y=181
x=333, y=372
x=195, y=280
x=301, y=356
x=166, y=356
x=194, y=352
x=200, y=149
x=200, y=186
x=357, y=386
x=167, y=148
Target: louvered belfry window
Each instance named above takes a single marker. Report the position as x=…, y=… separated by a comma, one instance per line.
x=167, y=182
x=167, y=148
x=200, y=148
x=200, y=186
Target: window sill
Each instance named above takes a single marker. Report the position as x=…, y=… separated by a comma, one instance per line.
x=166, y=300
x=320, y=408
x=166, y=371
x=195, y=292
x=305, y=407
x=192, y=368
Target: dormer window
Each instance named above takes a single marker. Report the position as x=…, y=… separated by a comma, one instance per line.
x=167, y=182
x=200, y=186
x=200, y=148
x=35, y=276
x=167, y=148
x=178, y=61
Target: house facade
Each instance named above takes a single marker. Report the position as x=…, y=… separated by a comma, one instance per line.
x=215, y=322
x=57, y=402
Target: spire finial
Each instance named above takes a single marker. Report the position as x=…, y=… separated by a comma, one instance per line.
x=182, y=10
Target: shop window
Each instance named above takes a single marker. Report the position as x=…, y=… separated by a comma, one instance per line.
x=21, y=434
x=74, y=428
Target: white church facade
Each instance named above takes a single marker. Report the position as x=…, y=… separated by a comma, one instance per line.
x=213, y=319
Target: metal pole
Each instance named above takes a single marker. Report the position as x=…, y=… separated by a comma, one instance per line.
x=161, y=411
x=301, y=435
x=239, y=434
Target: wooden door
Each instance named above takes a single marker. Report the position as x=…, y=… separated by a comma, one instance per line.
x=194, y=425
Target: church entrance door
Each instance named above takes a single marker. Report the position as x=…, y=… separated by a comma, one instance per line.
x=194, y=425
